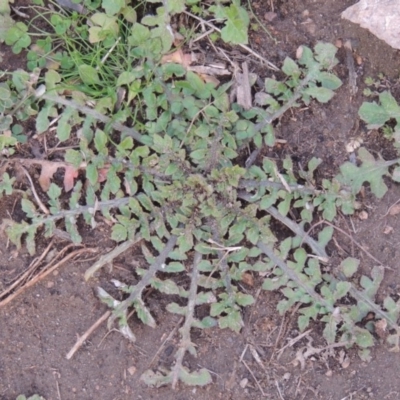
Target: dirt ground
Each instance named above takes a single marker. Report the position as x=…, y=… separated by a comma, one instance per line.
x=39, y=327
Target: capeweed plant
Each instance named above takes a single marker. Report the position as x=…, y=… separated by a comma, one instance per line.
x=165, y=171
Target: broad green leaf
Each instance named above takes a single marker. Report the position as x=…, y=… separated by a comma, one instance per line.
x=174, y=308
x=144, y=314
x=5, y=7
x=330, y=330
x=290, y=68
x=100, y=140
x=322, y=94
x=166, y=286
x=389, y=104
x=6, y=184
x=89, y=75
x=370, y=171
x=244, y=300
x=119, y=233
x=217, y=309
x=174, y=267
x=328, y=80
x=71, y=228
x=175, y=6
x=349, y=266
x=342, y=288
x=6, y=22
x=28, y=207
x=205, y=323
x=237, y=22
x=113, y=7
x=125, y=78
x=64, y=124
x=233, y=320
x=373, y=114
x=364, y=338
x=325, y=54
x=139, y=35
x=17, y=37
x=199, y=155
x=92, y=174
x=306, y=57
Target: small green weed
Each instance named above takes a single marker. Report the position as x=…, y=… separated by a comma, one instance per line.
x=164, y=169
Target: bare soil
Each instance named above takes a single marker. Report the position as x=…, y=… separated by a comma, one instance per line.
x=38, y=328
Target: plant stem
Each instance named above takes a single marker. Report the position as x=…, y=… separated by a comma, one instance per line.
x=122, y=308
x=100, y=117
x=186, y=342
x=253, y=183
x=107, y=258
x=269, y=252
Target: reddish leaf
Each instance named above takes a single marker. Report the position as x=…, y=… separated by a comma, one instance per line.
x=70, y=174
x=48, y=170
x=178, y=57
x=102, y=174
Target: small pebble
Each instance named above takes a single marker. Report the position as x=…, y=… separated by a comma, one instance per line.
x=132, y=370
x=270, y=16
x=243, y=383
x=287, y=376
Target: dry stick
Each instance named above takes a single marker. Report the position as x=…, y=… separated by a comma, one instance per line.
x=82, y=338
x=269, y=64
x=255, y=379
x=292, y=342
x=170, y=336
x=388, y=211
x=38, y=201
x=349, y=236
x=107, y=258
x=42, y=275
x=278, y=338
x=29, y=270
x=185, y=330
x=279, y=390
x=43, y=163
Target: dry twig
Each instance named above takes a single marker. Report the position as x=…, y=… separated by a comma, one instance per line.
x=170, y=336
x=244, y=47
x=41, y=275
x=255, y=379
x=82, y=338
x=38, y=201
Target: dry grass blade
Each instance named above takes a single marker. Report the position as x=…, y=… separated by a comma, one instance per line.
x=46, y=271
x=38, y=201
x=244, y=47
x=32, y=267
x=82, y=338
